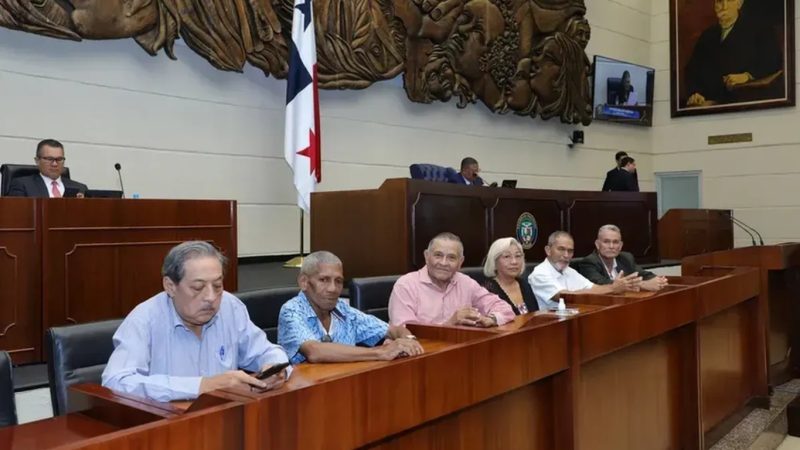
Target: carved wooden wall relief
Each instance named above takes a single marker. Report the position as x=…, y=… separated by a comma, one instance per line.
x=521, y=56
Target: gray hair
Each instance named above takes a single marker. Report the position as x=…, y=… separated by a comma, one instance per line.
x=312, y=262
x=608, y=227
x=175, y=262
x=497, y=248
x=557, y=234
x=447, y=236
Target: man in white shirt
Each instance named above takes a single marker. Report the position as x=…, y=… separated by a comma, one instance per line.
x=554, y=277
x=48, y=182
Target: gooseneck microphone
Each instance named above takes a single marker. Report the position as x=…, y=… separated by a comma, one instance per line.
x=118, y=166
x=760, y=238
x=743, y=226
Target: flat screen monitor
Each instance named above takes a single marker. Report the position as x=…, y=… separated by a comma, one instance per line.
x=509, y=184
x=622, y=92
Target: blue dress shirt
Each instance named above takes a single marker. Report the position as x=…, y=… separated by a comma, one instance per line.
x=157, y=356
x=298, y=323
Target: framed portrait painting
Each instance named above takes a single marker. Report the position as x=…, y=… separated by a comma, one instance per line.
x=731, y=55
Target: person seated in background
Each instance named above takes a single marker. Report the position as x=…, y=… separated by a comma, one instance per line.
x=504, y=266
x=191, y=338
x=626, y=94
x=554, y=277
x=317, y=326
x=625, y=179
x=48, y=182
x=439, y=294
x=469, y=173
x=608, y=261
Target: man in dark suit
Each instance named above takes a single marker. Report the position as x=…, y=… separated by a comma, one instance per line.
x=469, y=173
x=625, y=178
x=48, y=182
x=611, y=174
x=609, y=262
x=737, y=50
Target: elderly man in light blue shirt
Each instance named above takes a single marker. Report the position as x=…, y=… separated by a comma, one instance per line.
x=193, y=337
x=317, y=326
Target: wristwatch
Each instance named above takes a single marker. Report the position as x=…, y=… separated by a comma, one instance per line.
x=410, y=336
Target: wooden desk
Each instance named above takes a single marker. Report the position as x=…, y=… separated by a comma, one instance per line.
x=779, y=274
x=666, y=370
x=66, y=261
x=102, y=257
x=109, y=421
x=20, y=280
x=401, y=216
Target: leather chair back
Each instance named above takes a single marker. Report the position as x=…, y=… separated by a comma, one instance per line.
x=476, y=273
x=264, y=307
x=371, y=294
x=77, y=354
x=529, y=266
x=8, y=409
x=431, y=172
x=10, y=171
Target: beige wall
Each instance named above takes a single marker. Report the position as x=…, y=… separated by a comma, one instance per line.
x=758, y=180
x=182, y=129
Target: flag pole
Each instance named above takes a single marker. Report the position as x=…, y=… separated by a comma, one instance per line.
x=297, y=261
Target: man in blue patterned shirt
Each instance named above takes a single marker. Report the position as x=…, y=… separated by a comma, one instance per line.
x=317, y=326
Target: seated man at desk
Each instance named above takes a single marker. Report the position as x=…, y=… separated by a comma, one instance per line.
x=469, y=173
x=192, y=338
x=48, y=182
x=608, y=261
x=439, y=294
x=554, y=277
x=317, y=326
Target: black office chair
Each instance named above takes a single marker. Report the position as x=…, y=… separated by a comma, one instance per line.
x=77, y=354
x=371, y=295
x=10, y=171
x=529, y=266
x=8, y=409
x=264, y=307
x=476, y=273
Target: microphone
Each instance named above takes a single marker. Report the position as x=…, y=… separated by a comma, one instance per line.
x=760, y=238
x=741, y=225
x=118, y=166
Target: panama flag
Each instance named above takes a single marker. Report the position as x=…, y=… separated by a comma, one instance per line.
x=301, y=145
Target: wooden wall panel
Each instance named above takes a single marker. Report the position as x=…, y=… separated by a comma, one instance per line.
x=725, y=367
x=101, y=257
x=630, y=399
x=548, y=214
x=20, y=280
x=520, y=419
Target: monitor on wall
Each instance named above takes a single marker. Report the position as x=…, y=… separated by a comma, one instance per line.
x=622, y=92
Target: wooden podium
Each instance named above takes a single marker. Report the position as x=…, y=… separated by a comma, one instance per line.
x=779, y=268
x=67, y=261
x=384, y=231
x=686, y=232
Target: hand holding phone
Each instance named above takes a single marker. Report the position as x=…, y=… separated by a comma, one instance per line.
x=270, y=371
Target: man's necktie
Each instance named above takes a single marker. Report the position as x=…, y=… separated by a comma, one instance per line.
x=55, y=191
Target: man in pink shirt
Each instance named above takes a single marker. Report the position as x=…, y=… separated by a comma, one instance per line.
x=439, y=294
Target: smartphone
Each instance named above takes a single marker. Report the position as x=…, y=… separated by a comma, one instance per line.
x=277, y=368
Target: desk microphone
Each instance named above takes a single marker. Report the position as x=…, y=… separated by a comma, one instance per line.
x=760, y=238
x=118, y=166
x=744, y=227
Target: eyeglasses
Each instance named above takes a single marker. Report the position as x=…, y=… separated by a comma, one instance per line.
x=51, y=160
